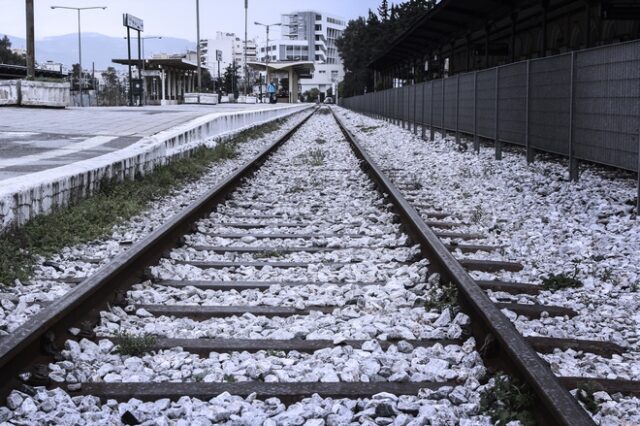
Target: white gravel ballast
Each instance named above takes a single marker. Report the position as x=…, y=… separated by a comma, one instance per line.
x=330, y=246
x=587, y=230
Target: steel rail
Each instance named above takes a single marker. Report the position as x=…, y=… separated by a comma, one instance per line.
x=488, y=322
x=24, y=346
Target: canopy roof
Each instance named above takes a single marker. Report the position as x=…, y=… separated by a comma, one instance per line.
x=448, y=20
x=301, y=67
x=179, y=63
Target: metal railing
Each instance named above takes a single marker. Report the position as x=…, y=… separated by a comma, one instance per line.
x=584, y=105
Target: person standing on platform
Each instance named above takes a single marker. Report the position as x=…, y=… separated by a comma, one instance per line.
x=271, y=90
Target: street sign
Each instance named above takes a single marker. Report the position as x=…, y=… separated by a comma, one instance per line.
x=151, y=73
x=132, y=22
x=219, y=55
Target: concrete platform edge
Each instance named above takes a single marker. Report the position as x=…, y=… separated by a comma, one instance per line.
x=25, y=197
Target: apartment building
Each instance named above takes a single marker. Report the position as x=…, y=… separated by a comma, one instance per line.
x=310, y=36
x=232, y=48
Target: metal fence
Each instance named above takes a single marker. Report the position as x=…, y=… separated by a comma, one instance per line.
x=584, y=105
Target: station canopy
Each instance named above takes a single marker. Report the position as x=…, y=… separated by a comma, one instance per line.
x=448, y=20
x=174, y=63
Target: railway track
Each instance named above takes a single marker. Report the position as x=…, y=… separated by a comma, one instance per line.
x=297, y=275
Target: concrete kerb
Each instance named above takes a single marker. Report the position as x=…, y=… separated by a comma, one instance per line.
x=24, y=197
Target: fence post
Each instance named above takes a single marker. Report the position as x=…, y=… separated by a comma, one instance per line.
x=424, y=133
x=527, y=141
x=415, y=103
x=573, y=163
x=457, y=108
x=497, y=133
x=476, y=140
x=432, y=130
x=443, y=133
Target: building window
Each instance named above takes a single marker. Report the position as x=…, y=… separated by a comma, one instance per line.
x=318, y=17
x=318, y=27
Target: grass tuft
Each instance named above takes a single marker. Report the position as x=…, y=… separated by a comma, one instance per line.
x=442, y=297
x=315, y=157
x=508, y=400
x=555, y=282
x=585, y=395
x=91, y=218
x=131, y=345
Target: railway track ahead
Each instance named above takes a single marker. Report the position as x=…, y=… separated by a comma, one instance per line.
x=297, y=275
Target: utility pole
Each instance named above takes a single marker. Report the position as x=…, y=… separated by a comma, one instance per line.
x=198, y=47
x=79, y=9
x=246, y=68
x=31, y=50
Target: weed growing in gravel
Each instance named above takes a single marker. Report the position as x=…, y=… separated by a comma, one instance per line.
x=91, y=218
x=561, y=281
x=585, y=395
x=477, y=214
x=229, y=378
x=367, y=129
x=413, y=182
x=320, y=141
x=442, y=297
x=131, y=345
x=268, y=254
x=315, y=157
x=508, y=400
x=294, y=189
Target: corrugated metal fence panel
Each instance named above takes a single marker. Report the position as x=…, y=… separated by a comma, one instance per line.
x=607, y=89
x=512, y=103
x=437, y=103
x=467, y=102
x=420, y=103
x=412, y=103
x=487, y=103
x=428, y=94
x=550, y=89
x=408, y=96
x=451, y=102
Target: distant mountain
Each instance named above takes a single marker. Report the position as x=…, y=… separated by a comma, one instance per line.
x=98, y=48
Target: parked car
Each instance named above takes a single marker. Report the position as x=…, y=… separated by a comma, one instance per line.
x=328, y=100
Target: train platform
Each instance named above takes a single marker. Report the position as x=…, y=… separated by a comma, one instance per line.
x=40, y=139
x=50, y=157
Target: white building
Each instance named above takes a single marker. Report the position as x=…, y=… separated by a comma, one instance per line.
x=232, y=48
x=310, y=36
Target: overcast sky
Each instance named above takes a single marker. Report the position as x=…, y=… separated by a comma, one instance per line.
x=171, y=18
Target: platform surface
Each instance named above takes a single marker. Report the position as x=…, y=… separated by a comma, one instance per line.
x=37, y=139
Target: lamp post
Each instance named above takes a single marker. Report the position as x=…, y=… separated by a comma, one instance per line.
x=79, y=9
x=267, y=47
x=198, y=47
x=31, y=50
x=246, y=68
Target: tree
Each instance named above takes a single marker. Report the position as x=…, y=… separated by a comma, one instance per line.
x=112, y=92
x=383, y=11
x=8, y=56
x=365, y=39
x=312, y=95
x=207, y=81
x=230, y=78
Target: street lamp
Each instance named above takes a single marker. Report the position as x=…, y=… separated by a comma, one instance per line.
x=143, y=39
x=267, y=47
x=79, y=9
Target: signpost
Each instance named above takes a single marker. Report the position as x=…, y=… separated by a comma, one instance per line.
x=219, y=59
x=137, y=24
